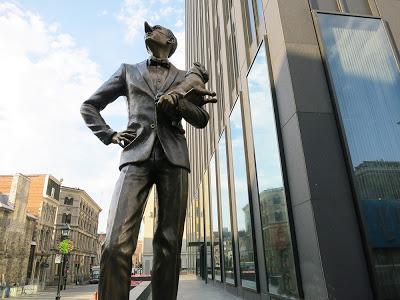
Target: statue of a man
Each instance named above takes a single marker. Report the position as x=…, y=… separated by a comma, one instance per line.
x=154, y=152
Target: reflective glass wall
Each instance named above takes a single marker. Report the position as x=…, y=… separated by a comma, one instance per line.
x=229, y=267
x=243, y=208
x=216, y=252
x=365, y=78
x=278, y=249
x=207, y=224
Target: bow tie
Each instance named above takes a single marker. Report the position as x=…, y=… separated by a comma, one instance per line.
x=158, y=62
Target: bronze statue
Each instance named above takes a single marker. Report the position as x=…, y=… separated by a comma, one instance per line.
x=154, y=152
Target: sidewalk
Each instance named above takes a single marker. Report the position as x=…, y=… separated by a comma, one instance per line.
x=191, y=288
x=73, y=292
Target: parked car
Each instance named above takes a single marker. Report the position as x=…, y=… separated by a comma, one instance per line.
x=94, y=274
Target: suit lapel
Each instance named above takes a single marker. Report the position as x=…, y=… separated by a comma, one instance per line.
x=147, y=82
x=173, y=72
x=145, y=75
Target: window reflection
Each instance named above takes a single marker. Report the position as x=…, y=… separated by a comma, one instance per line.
x=278, y=248
x=244, y=224
x=207, y=224
x=251, y=25
x=215, y=227
x=226, y=216
x=366, y=80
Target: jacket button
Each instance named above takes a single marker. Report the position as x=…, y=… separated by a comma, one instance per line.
x=152, y=125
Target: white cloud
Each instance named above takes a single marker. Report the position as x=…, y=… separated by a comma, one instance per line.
x=178, y=58
x=103, y=13
x=179, y=23
x=133, y=13
x=45, y=77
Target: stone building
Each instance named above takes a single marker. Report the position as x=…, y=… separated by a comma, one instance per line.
x=17, y=228
x=81, y=212
x=101, y=238
x=149, y=225
x=137, y=256
x=148, y=233
x=42, y=203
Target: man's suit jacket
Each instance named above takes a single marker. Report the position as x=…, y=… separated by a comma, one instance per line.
x=134, y=82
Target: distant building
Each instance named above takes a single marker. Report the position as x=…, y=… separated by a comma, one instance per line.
x=42, y=203
x=378, y=180
x=81, y=212
x=17, y=231
x=149, y=225
x=148, y=233
x=101, y=238
x=137, y=256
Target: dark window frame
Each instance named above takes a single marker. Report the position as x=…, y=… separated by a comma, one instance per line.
x=222, y=135
x=241, y=99
x=264, y=41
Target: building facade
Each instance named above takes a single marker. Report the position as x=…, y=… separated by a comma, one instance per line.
x=17, y=228
x=101, y=237
x=81, y=213
x=149, y=226
x=295, y=186
x=43, y=192
x=137, y=256
x=43, y=202
x=148, y=232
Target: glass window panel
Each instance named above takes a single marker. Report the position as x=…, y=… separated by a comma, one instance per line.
x=215, y=225
x=202, y=248
x=244, y=223
x=366, y=80
x=229, y=270
x=278, y=249
x=251, y=25
x=201, y=212
x=207, y=224
x=260, y=10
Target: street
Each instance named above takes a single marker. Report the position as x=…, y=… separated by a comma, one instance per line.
x=73, y=292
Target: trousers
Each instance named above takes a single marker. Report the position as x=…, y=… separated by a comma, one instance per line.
x=123, y=225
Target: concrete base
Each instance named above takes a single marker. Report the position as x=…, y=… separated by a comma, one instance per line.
x=141, y=292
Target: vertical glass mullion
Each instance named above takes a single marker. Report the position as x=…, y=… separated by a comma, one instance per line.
x=215, y=221
x=243, y=208
x=277, y=241
x=229, y=268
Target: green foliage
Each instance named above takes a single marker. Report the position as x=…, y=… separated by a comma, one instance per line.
x=64, y=246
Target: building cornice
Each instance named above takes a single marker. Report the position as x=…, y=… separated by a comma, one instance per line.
x=87, y=196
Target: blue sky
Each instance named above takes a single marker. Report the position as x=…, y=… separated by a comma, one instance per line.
x=55, y=54
x=99, y=26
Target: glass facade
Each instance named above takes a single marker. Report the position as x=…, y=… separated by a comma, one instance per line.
x=229, y=264
x=278, y=248
x=216, y=252
x=365, y=78
x=243, y=208
x=207, y=224
x=251, y=23
x=260, y=14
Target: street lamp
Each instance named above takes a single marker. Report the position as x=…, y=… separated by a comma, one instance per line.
x=65, y=229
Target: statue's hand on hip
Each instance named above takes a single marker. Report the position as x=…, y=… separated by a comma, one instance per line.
x=123, y=138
